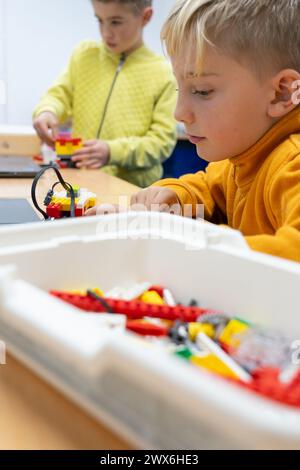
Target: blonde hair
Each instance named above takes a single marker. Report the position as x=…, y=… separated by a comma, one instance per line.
x=265, y=33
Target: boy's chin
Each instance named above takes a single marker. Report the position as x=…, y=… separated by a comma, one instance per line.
x=115, y=49
x=210, y=158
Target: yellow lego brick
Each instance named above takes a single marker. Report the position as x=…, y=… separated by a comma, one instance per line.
x=213, y=364
x=230, y=335
x=86, y=206
x=92, y=202
x=66, y=204
x=77, y=147
x=81, y=293
x=152, y=297
x=98, y=291
x=196, y=328
x=63, y=150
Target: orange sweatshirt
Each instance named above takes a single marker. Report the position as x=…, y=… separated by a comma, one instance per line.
x=257, y=192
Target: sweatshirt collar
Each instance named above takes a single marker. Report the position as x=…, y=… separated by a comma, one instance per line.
x=140, y=51
x=247, y=164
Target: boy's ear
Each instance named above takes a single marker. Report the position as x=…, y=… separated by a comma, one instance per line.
x=285, y=93
x=147, y=15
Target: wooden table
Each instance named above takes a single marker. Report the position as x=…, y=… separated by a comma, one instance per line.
x=33, y=415
x=107, y=188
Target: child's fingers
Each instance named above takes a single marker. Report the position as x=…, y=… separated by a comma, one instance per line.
x=168, y=202
x=43, y=132
x=89, y=163
x=103, y=209
x=84, y=156
x=88, y=148
x=156, y=199
x=55, y=132
x=96, y=165
x=83, y=153
x=139, y=198
x=89, y=143
x=133, y=199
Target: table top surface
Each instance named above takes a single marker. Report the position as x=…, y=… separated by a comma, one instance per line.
x=107, y=188
x=33, y=414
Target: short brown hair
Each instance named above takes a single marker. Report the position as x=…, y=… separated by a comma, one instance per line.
x=138, y=5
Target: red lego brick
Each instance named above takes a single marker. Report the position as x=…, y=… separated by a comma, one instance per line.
x=266, y=383
x=67, y=140
x=62, y=165
x=54, y=211
x=158, y=289
x=146, y=329
x=133, y=310
x=79, y=212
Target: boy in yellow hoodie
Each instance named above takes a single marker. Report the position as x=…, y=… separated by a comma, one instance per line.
x=120, y=95
x=237, y=64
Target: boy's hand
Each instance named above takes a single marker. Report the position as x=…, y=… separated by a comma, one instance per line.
x=157, y=199
x=151, y=199
x=44, y=123
x=94, y=154
x=104, y=209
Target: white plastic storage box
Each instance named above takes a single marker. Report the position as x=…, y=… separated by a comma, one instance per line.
x=146, y=395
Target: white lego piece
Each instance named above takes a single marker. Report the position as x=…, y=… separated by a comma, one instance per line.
x=128, y=293
x=168, y=298
x=205, y=342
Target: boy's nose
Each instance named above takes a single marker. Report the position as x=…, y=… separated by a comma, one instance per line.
x=106, y=33
x=183, y=113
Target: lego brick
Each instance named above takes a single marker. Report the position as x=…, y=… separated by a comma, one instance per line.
x=54, y=211
x=158, y=289
x=79, y=212
x=133, y=309
x=169, y=298
x=92, y=202
x=152, y=297
x=230, y=335
x=207, y=344
x=213, y=364
x=146, y=329
x=195, y=328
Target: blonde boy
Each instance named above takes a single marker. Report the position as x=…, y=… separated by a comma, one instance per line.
x=237, y=65
x=120, y=95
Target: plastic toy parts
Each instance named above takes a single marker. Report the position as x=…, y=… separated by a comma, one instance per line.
x=58, y=205
x=134, y=310
x=65, y=147
x=257, y=359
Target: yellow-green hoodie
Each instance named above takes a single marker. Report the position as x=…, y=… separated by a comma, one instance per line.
x=257, y=192
x=139, y=125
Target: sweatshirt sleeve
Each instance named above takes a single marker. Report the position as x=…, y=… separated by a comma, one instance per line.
x=133, y=153
x=59, y=98
x=203, y=190
x=284, y=205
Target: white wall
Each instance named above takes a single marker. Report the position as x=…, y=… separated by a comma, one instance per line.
x=36, y=40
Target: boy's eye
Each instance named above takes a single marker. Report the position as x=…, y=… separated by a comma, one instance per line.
x=116, y=23
x=204, y=93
